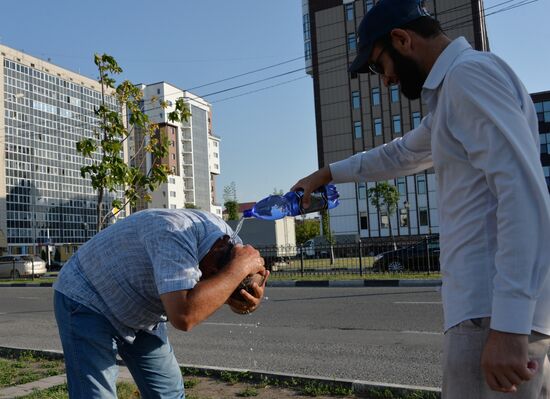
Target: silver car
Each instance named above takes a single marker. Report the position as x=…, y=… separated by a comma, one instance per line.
x=16, y=266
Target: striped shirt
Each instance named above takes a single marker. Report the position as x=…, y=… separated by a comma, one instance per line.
x=124, y=269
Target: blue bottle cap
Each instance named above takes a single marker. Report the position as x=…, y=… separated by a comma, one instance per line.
x=248, y=213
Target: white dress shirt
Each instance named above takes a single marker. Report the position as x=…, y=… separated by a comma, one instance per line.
x=481, y=137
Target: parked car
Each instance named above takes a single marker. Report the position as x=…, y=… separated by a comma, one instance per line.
x=317, y=247
x=421, y=256
x=16, y=266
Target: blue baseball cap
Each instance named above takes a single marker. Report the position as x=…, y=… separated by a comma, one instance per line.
x=379, y=21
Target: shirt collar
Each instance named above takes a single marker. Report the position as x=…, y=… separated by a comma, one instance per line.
x=444, y=62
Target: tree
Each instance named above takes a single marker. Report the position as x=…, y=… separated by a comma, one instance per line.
x=327, y=233
x=306, y=229
x=189, y=205
x=230, y=201
x=385, y=195
x=107, y=169
x=277, y=191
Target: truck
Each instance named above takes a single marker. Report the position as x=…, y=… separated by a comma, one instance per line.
x=275, y=239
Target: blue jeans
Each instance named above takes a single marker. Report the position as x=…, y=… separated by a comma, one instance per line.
x=90, y=345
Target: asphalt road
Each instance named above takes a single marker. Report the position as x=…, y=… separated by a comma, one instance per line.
x=390, y=335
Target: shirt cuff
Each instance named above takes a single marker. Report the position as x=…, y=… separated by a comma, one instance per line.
x=341, y=171
x=513, y=315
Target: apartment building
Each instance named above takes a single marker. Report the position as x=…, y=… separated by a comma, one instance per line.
x=194, y=151
x=356, y=112
x=542, y=105
x=44, y=111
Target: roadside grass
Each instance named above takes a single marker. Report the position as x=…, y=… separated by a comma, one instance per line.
x=199, y=383
x=28, y=280
x=27, y=367
x=125, y=390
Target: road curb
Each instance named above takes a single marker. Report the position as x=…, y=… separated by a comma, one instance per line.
x=361, y=388
x=308, y=283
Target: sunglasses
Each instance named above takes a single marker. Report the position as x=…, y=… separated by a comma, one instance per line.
x=375, y=66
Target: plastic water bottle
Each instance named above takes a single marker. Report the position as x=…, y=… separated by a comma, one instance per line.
x=278, y=206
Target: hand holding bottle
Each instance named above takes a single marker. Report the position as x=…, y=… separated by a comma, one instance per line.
x=310, y=183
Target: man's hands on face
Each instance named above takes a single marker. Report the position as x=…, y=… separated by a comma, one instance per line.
x=505, y=361
x=249, y=302
x=311, y=183
x=246, y=260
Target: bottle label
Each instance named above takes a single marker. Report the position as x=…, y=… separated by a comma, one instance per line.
x=318, y=202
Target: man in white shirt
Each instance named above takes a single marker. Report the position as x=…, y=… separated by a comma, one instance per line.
x=481, y=137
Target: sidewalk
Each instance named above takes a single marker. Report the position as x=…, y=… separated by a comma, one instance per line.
x=365, y=389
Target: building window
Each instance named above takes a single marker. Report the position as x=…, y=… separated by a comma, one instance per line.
x=421, y=184
x=172, y=206
x=357, y=130
x=307, y=35
x=307, y=50
x=394, y=92
x=423, y=216
x=172, y=194
x=171, y=180
x=355, y=100
x=416, y=119
x=364, y=220
x=362, y=190
x=349, y=11
x=396, y=123
x=543, y=111
x=384, y=220
x=352, y=43
x=173, y=156
x=402, y=186
x=376, y=96
x=545, y=143
x=368, y=5
x=378, y=127
x=546, y=170
x=403, y=217
x=158, y=91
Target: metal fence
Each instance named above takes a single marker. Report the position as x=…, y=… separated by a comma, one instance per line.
x=353, y=259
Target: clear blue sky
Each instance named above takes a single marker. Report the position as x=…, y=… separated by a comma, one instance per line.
x=268, y=137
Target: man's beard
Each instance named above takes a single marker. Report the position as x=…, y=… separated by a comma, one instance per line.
x=411, y=78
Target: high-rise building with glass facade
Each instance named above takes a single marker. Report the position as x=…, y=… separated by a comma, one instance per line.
x=542, y=105
x=44, y=111
x=193, y=153
x=356, y=112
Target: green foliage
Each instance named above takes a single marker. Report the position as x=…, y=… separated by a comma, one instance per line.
x=306, y=229
x=107, y=170
x=189, y=205
x=232, y=210
x=190, y=383
x=278, y=191
x=249, y=391
x=57, y=256
x=384, y=195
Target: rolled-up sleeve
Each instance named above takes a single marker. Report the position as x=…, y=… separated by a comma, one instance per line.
x=403, y=156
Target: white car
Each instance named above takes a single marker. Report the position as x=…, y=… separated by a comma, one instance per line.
x=16, y=266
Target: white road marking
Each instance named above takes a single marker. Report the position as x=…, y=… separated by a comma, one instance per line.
x=229, y=324
x=422, y=332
